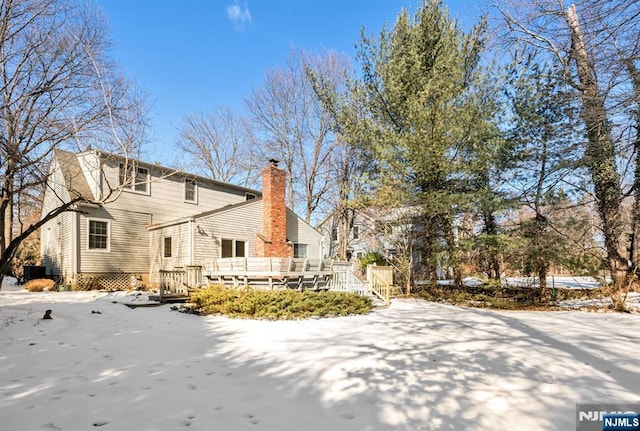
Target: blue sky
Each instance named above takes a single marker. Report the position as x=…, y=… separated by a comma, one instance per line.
x=193, y=55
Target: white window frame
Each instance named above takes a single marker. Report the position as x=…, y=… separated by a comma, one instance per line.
x=195, y=190
x=99, y=250
x=234, y=246
x=134, y=169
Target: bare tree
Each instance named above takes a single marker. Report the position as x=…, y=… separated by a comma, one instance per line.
x=59, y=90
x=585, y=39
x=296, y=127
x=221, y=144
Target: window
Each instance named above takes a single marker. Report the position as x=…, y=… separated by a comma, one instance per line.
x=190, y=190
x=98, y=235
x=125, y=178
x=124, y=174
x=299, y=250
x=334, y=234
x=233, y=248
x=239, y=248
x=356, y=232
x=167, y=247
x=249, y=196
x=142, y=180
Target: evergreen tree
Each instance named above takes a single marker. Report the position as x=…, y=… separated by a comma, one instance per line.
x=428, y=123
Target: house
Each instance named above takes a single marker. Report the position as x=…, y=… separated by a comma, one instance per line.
x=144, y=218
x=361, y=235
x=392, y=233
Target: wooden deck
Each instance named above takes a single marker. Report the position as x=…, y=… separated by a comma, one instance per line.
x=272, y=273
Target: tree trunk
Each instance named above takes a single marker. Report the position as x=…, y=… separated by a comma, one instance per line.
x=600, y=156
x=450, y=240
x=345, y=223
x=428, y=253
x=491, y=230
x=634, y=246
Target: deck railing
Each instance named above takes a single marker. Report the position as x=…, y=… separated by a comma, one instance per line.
x=345, y=280
x=178, y=281
x=307, y=273
x=380, y=280
x=274, y=272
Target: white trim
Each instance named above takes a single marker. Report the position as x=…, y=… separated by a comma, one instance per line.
x=99, y=250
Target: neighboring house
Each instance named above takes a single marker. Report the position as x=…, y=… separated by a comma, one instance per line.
x=161, y=219
x=362, y=236
x=390, y=233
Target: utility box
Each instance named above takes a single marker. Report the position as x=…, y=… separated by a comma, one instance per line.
x=31, y=272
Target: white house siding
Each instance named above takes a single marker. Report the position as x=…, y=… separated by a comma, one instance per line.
x=165, y=197
x=181, y=249
x=240, y=223
x=128, y=242
x=57, y=251
x=66, y=246
x=55, y=234
x=180, y=245
x=300, y=232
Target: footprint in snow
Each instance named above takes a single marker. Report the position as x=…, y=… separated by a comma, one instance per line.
x=252, y=419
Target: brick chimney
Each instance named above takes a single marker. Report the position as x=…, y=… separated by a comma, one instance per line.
x=273, y=240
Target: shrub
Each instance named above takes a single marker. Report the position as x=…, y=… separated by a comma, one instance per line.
x=40, y=285
x=372, y=257
x=278, y=304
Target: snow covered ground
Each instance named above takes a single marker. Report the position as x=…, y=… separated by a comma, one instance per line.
x=416, y=366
